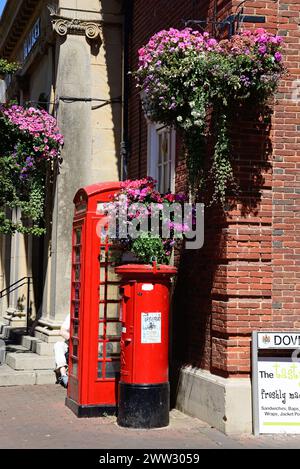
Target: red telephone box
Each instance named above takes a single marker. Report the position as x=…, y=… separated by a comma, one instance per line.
x=144, y=384
x=94, y=351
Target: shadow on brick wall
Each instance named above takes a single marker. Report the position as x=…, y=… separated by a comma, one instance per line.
x=199, y=293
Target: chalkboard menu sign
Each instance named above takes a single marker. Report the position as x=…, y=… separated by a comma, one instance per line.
x=276, y=382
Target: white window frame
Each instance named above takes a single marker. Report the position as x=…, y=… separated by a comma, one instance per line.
x=154, y=129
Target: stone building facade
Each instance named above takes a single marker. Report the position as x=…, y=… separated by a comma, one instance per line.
x=247, y=275
x=71, y=64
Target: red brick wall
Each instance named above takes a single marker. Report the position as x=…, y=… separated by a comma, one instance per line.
x=286, y=179
x=149, y=18
x=246, y=277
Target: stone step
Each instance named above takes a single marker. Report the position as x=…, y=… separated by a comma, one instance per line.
x=9, y=377
x=4, y=322
x=29, y=361
x=15, y=321
x=11, y=348
x=5, y=332
x=44, y=348
x=47, y=337
x=45, y=377
x=30, y=342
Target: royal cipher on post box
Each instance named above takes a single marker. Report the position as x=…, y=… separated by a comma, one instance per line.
x=94, y=350
x=144, y=382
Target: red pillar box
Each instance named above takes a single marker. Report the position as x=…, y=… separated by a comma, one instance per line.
x=94, y=352
x=144, y=390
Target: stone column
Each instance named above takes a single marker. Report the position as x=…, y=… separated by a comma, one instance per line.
x=15, y=314
x=92, y=137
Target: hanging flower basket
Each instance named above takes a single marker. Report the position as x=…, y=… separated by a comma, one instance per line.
x=186, y=76
x=29, y=147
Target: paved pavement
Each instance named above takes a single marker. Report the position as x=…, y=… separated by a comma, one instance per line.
x=36, y=417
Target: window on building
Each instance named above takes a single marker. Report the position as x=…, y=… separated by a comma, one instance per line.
x=161, y=156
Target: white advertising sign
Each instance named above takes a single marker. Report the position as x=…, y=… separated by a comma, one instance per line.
x=278, y=340
x=278, y=396
x=151, y=328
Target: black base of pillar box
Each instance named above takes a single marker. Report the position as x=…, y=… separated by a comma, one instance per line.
x=90, y=410
x=144, y=405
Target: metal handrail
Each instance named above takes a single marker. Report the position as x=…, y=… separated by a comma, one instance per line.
x=6, y=291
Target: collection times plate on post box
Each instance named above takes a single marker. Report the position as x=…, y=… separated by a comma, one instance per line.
x=276, y=382
x=151, y=328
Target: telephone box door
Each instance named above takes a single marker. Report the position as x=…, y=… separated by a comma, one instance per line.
x=94, y=358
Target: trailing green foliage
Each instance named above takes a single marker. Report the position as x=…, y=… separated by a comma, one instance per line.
x=29, y=145
x=187, y=77
x=8, y=67
x=149, y=248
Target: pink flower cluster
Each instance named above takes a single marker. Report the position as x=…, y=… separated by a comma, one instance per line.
x=40, y=125
x=174, y=40
x=254, y=42
x=143, y=191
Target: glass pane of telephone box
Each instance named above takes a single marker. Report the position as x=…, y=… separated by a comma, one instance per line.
x=112, y=368
x=75, y=348
x=75, y=329
x=77, y=291
x=100, y=350
x=76, y=309
x=113, y=329
x=101, y=310
x=112, y=310
x=77, y=254
x=111, y=274
x=101, y=330
x=77, y=271
x=103, y=255
x=108, y=273
x=102, y=274
x=102, y=291
x=100, y=369
x=113, y=292
x=74, y=368
x=78, y=236
x=112, y=349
